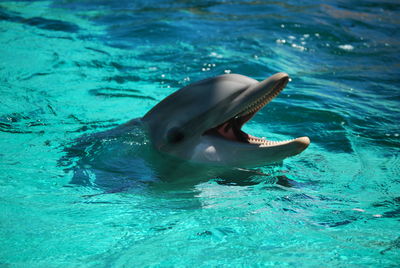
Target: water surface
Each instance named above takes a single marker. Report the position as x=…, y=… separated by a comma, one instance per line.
x=70, y=68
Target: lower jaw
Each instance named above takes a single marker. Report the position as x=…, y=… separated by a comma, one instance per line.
x=264, y=142
x=242, y=137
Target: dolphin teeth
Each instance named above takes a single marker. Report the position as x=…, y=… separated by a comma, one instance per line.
x=259, y=103
x=265, y=143
x=243, y=116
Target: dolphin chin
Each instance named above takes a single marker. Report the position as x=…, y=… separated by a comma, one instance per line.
x=203, y=122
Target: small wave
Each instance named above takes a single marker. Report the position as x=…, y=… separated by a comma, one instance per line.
x=19, y=124
x=346, y=47
x=119, y=93
x=42, y=23
x=123, y=79
x=98, y=50
x=35, y=75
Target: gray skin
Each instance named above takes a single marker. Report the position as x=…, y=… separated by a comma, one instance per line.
x=194, y=134
x=201, y=123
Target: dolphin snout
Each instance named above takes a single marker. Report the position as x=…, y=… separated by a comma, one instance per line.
x=277, y=80
x=301, y=144
x=281, y=76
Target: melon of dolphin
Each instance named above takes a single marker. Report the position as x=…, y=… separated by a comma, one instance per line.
x=202, y=122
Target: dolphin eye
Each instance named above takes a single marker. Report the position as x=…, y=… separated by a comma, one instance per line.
x=175, y=135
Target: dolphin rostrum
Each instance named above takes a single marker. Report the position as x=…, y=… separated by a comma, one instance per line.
x=202, y=122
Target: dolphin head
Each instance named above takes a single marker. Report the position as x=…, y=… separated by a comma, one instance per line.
x=202, y=122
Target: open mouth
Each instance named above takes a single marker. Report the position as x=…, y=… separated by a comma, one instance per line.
x=232, y=128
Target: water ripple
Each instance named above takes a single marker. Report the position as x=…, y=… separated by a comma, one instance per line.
x=39, y=22
x=69, y=69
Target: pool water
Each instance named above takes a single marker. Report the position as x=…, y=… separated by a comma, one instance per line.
x=73, y=68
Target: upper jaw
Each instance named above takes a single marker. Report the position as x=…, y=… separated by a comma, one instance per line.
x=251, y=100
x=261, y=94
x=249, y=103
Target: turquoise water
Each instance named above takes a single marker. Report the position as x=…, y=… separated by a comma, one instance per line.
x=69, y=68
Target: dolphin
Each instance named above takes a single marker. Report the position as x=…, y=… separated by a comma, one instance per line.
x=202, y=122
x=190, y=131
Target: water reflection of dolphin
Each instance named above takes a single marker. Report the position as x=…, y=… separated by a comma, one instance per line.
x=195, y=128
